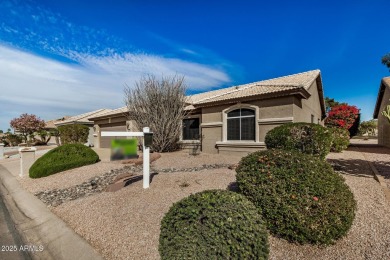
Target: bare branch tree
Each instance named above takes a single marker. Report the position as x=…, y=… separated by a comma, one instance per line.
x=158, y=104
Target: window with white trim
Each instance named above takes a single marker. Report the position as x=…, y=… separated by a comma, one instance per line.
x=241, y=124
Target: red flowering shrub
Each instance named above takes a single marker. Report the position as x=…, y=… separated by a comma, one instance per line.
x=342, y=116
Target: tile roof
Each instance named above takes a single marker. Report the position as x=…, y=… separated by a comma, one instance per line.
x=295, y=81
x=83, y=118
x=386, y=81
x=117, y=111
x=276, y=85
x=51, y=123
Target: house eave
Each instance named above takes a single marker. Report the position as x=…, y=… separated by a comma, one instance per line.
x=381, y=92
x=300, y=92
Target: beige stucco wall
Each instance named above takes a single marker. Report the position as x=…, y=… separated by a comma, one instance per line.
x=211, y=127
x=304, y=108
x=279, y=109
x=383, y=123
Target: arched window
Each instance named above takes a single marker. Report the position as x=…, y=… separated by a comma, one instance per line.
x=241, y=124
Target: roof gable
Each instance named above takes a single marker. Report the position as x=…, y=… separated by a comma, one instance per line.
x=385, y=83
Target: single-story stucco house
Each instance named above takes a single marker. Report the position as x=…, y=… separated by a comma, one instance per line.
x=236, y=119
x=83, y=119
x=381, y=103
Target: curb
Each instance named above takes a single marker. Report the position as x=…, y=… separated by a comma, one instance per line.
x=38, y=226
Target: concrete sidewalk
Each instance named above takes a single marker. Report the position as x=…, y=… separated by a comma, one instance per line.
x=47, y=236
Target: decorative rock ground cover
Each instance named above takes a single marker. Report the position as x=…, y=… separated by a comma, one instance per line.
x=98, y=184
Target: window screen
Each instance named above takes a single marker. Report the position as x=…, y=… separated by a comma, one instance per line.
x=191, y=129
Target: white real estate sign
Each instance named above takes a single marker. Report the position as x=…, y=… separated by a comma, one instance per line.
x=146, y=151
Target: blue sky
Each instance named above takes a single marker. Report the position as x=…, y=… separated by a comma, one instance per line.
x=68, y=57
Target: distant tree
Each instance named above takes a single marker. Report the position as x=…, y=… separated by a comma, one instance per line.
x=1, y=131
x=386, y=60
x=368, y=127
x=158, y=104
x=44, y=136
x=9, y=130
x=27, y=124
x=330, y=102
x=344, y=116
x=71, y=134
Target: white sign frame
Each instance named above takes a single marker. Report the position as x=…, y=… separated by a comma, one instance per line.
x=145, y=152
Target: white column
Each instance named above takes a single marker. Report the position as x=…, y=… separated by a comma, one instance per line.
x=1, y=150
x=98, y=136
x=146, y=165
x=27, y=158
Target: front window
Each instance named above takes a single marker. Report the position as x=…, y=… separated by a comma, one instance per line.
x=241, y=124
x=191, y=129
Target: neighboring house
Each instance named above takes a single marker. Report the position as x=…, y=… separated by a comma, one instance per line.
x=114, y=120
x=50, y=124
x=84, y=119
x=236, y=119
x=381, y=103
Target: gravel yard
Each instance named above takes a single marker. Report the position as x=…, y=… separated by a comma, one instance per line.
x=125, y=224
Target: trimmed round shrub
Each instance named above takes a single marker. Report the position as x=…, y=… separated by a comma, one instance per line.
x=300, y=196
x=62, y=158
x=304, y=137
x=340, y=139
x=214, y=224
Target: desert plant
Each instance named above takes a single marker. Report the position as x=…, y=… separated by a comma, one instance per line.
x=10, y=139
x=369, y=127
x=158, y=104
x=301, y=198
x=71, y=134
x=340, y=139
x=308, y=138
x=63, y=158
x=213, y=224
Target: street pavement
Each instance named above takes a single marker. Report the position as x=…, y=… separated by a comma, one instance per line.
x=10, y=240
x=42, y=234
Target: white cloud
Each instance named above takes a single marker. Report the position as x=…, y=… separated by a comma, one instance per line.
x=51, y=89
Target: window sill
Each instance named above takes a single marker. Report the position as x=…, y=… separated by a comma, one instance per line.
x=189, y=141
x=243, y=144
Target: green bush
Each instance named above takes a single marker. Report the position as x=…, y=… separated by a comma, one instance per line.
x=75, y=133
x=63, y=158
x=302, y=199
x=213, y=224
x=340, y=139
x=304, y=137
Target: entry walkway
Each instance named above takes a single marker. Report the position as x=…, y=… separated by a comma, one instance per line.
x=378, y=155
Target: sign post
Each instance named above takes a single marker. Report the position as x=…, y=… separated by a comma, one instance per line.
x=146, y=143
x=146, y=158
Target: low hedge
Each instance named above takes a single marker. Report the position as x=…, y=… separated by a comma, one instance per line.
x=340, y=139
x=301, y=198
x=304, y=137
x=62, y=158
x=214, y=224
